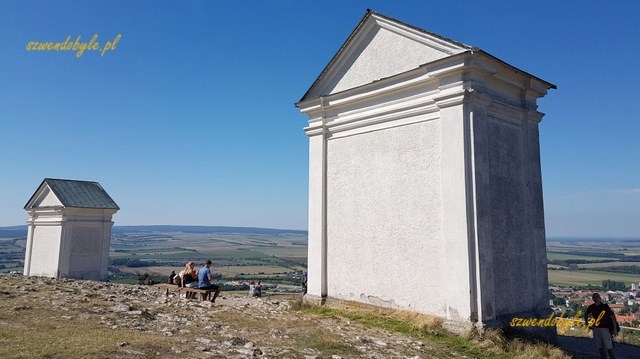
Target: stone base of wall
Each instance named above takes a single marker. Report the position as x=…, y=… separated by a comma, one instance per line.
x=313, y=299
x=460, y=328
x=545, y=331
x=86, y=275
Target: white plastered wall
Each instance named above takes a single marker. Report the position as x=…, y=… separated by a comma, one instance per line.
x=85, y=246
x=510, y=215
x=376, y=58
x=384, y=220
x=82, y=255
x=45, y=251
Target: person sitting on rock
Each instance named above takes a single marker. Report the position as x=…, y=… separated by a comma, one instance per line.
x=257, y=291
x=189, y=278
x=204, y=280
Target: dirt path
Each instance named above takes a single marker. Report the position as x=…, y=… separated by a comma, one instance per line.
x=584, y=348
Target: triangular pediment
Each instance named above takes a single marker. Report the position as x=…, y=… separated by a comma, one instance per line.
x=44, y=197
x=380, y=47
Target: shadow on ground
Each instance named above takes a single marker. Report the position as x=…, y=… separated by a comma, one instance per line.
x=585, y=348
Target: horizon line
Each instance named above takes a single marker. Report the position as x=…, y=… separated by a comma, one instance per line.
x=184, y=225
x=307, y=230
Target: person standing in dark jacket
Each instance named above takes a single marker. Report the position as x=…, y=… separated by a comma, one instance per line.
x=604, y=326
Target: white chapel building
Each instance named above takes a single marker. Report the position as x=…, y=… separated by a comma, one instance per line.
x=425, y=189
x=69, y=230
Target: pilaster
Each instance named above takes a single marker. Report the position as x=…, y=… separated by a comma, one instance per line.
x=317, y=232
x=536, y=209
x=454, y=212
x=476, y=110
x=29, y=249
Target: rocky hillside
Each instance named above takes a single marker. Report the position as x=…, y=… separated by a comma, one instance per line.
x=48, y=318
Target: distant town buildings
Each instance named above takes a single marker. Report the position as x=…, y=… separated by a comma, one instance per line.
x=625, y=304
x=297, y=274
x=69, y=230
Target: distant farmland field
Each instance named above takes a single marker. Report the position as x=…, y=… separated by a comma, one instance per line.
x=564, y=256
x=608, y=264
x=270, y=255
x=580, y=278
x=587, y=254
x=250, y=272
x=253, y=254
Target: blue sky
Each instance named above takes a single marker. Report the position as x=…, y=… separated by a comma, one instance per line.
x=191, y=119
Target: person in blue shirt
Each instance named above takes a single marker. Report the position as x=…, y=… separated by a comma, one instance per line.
x=204, y=280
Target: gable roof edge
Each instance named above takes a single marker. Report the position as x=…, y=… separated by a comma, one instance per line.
x=335, y=57
x=473, y=51
x=35, y=194
x=369, y=13
x=549, y=84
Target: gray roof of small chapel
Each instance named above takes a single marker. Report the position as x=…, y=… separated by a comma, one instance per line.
x=78, y=194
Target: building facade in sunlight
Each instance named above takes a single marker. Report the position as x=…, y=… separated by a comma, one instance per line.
x=425, y=190
x=69, y=230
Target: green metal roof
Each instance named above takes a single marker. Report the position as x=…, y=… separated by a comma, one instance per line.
x=79, y=194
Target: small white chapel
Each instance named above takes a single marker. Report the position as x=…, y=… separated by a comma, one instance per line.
x=69, y=230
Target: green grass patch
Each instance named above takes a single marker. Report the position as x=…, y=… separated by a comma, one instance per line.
x=39, y=332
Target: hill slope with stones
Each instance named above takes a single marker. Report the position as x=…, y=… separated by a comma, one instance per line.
x=43, y=317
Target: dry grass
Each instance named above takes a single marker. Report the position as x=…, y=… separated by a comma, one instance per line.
x=491, y=343
x=30, y=329
x=495, y=342
x=418, y=320
x=327, y=343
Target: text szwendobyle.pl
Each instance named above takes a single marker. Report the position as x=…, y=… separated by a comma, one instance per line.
x=560, y=322
x=78, y=46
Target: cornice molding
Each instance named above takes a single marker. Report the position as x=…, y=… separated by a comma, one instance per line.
x=534, y=117
x=474, y=68
x=452, y=98
x=456, y=80
x=384, y=121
